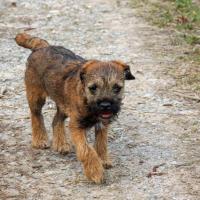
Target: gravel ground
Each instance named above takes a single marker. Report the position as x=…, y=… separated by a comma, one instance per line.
x=156, y=130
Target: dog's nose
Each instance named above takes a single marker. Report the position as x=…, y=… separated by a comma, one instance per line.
x=105, y=105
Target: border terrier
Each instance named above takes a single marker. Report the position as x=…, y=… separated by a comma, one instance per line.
x=89, y=92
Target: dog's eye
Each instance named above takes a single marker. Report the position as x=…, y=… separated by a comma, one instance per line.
x=93, y=88
x=116, y=88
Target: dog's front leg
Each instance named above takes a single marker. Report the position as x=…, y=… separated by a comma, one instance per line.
x=86, y=154
x=101, y=139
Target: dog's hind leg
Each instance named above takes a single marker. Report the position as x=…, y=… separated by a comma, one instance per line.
x=36, y=96
x=101, y=144
x=59, y=143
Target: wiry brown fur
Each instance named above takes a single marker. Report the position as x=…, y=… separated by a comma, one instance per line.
x=67, y=78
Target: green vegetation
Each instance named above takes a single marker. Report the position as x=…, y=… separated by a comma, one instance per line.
x=182, y=17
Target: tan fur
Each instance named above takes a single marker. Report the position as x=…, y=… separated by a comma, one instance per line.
x=27, y=41
x=101, y=139
x=92, y=164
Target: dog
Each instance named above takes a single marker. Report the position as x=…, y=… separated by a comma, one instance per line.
x=89, y=92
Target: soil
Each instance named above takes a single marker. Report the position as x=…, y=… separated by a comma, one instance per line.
x=154, y=144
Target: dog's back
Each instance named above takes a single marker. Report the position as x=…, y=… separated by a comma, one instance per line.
x=44, y=56
x=52, y=58
x=48, y=66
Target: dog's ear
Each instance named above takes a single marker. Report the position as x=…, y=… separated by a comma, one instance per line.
x=85, y=67
x=127, y=72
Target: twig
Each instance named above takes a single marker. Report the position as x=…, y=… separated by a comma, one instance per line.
x=157, y=166
x=160, y=113
x=187, y=163
x=187, y=96
x=6, y=106
x=154, y=171
x=29, y=29
x=150, y=174
x=24, y=117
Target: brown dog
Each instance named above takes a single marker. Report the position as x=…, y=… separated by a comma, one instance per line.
x=88, y=91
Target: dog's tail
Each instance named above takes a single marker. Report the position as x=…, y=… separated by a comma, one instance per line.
x=29, y=42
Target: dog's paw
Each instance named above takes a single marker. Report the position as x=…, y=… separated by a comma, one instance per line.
x=93, y=167
x=61, y=147
x=107, y=164
x=40, y=144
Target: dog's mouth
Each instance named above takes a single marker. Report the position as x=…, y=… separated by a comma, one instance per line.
x=104, y=110
x=106, y=114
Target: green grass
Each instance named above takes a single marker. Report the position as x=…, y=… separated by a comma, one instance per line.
x=192, y=39
x=188, y=14
x=182, y=16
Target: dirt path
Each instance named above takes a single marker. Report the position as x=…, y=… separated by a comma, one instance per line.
x=154, y=128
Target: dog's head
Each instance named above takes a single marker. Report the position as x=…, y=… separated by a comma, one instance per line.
x=103, y=84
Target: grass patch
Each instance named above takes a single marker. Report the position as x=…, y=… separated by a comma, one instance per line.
x=192, y=39
x=182, y=16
